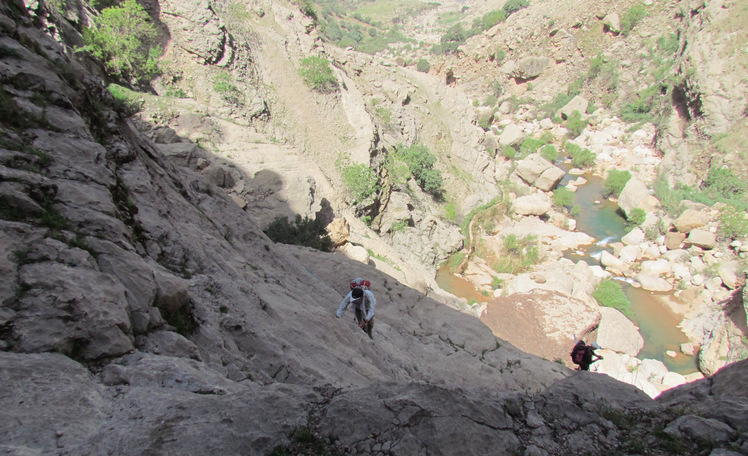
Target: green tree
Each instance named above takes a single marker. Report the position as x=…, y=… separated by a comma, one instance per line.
x=303, y=231
x=125, y=40
x=512, y=6
x=614, y=183
x=361, y=182
x=563, y=197
x=453, y=38
x=530, y=146
x=580, y=158
x=549, y=152
x=421, y=163
x=317, y=74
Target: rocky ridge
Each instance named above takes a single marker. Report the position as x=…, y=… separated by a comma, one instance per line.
x=148, y=313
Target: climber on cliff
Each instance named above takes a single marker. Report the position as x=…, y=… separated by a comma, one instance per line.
x=582, y=354
x=363, y=306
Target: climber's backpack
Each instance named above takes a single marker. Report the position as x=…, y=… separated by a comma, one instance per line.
x=577, y=354
x=360, y=283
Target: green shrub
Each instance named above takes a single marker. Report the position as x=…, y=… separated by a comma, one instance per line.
x=126, y=102
x=640, y=110
x=512, y=6
x=636, y=217
x=492, y=18
x=421, y=163
x=519, y=254
x=724, y=183
x=632, y=17
x=596, y=66
x=614, y=183
x=499, y=57
x=490, y=100
x=307, y=8
x=563, y=197
x=720, y=186
x=450, y=212
x=455, y=261
x=303, y=231
x=509, y=152
x=123, y=38
x=317, y=74
x=423, y=66
x=732, y=224
x=496, y=88
x=361, y=182
x=549, y=152
x=224, y=85
x=668, y=43
x=485, y=122
x=530, y=146
x=609, y=293
x=575, y=124
x=580, y=158
x=452, y=39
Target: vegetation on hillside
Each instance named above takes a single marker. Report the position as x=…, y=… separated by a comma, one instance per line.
x=722, y=188
x=124, y=39
x=614, y=183
x=317, y=74
x=302, y=231
x=420, y=161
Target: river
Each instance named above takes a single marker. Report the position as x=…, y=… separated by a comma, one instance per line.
x=601, y=218
x=657, y=323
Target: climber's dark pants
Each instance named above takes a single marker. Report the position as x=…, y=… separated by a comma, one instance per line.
x=369, y=324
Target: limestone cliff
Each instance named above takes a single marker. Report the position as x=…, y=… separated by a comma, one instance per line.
x=142, y=311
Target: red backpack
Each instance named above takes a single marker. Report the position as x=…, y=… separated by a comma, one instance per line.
x=360, y=283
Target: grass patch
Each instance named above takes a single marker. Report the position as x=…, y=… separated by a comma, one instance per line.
x=609, y=293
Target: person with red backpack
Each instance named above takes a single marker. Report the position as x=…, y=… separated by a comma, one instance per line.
x=363, y=304
x=582, y=354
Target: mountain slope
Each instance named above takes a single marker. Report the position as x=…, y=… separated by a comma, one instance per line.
x=146, y=313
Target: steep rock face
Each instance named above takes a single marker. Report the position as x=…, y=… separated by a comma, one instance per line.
x=711, y=100
x=145, y=313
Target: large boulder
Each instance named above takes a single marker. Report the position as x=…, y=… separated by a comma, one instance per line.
x=636, y=195
x=702, y=238
x=612, y=22
x=652, y=283
x=530, y=67
x=536, y=204
x=618, y=333
x=338, y=230
x=728, y=272
x=690, y=219
x=539, y=172
x=578, y=103
x=541, y=322
x=512, y=135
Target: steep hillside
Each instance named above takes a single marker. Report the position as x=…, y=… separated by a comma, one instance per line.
x=144, y=311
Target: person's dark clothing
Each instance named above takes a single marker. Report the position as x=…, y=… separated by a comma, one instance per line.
x=587, y=359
